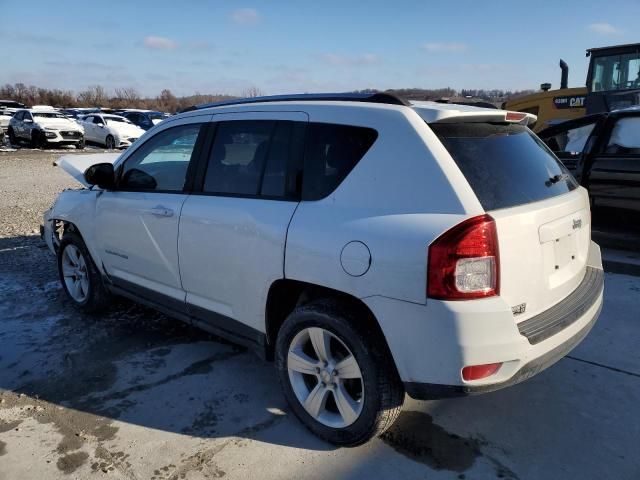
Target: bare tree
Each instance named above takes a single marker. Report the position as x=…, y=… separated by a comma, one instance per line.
x=252, y=92
x=167, y=101
x=94, y=96
x=126, y=97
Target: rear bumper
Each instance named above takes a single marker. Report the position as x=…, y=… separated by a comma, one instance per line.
x=426, y=391
x=432, y=343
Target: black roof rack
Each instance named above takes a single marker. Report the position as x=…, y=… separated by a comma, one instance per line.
x=307, y=97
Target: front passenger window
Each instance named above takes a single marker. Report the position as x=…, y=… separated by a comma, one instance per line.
x=161, y=163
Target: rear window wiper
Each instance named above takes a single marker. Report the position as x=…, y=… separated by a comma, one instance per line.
x=557, y=178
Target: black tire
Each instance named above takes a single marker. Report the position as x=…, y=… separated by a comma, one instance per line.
x=37, y=139
x=110, y=142
x=12, y=138
x=97, y=298
x=383, y=390
x=80, y=145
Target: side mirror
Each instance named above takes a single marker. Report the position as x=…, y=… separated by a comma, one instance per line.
x=102, y=175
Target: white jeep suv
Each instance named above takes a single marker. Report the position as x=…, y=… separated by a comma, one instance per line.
x=372, y=247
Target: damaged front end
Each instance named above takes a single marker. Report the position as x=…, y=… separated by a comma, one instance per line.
x=73, y=209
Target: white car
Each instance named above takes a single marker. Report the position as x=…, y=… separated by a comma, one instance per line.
x=112, y=131
x=5, y=118
x=45, y=126
x=372, y=247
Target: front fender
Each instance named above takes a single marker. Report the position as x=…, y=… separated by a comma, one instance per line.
x=77, y=207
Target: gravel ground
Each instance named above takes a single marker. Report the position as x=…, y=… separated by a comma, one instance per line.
x=28, y=185
x=132, y=394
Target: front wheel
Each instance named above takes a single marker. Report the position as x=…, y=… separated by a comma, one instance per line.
x=110, y=142
x=12, y=138
x=79, y=275
x=336, y=374
x=80, y=145
x=38, y=140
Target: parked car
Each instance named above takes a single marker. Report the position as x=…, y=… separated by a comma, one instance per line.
x=112, y=131
x=603, y=153
x=145, y=119
x=46, y=126
x=5, y=118
x=372, y=247
x=12, y=104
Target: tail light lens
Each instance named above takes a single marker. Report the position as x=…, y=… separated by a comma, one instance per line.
x=464, y=261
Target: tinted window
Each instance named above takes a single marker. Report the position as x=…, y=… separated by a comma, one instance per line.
x=19, y=115
x=98, y=120
x=332, y=151
x=505, y=164
x=237, y=159
x=283, y=168
x=161, y=163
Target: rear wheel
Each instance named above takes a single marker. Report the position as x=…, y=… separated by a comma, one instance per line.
x=12, y=138
x=336, y=374
x=79, y=275
x=110, y=142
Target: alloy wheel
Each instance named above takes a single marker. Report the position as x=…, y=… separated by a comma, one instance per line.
x=75, y=274
x=325, y=377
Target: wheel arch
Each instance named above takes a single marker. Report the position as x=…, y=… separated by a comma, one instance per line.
x=287, y=294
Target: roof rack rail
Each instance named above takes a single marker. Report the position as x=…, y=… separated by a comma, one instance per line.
x=308, y=97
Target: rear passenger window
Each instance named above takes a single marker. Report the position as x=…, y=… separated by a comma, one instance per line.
x=332, y=151
x=238, y=156
x=284, y=162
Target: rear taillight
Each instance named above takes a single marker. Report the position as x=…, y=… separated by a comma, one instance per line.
x=464, y=261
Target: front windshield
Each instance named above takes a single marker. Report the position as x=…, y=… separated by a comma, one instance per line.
x=616, y=72
x=157, y=116
x=116, y=120
x=49, y=115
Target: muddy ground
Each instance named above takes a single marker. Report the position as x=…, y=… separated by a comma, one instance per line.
x=133, y=394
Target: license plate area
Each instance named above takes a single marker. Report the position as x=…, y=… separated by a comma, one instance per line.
x=565, y=243
x=564, y=250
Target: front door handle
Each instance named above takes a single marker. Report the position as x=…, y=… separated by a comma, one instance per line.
x=161, y=212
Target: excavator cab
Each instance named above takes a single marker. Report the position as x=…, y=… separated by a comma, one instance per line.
x=613, y=79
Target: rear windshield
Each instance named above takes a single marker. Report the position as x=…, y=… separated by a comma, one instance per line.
x=505, y=164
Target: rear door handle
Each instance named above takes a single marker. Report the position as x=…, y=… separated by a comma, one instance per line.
x=161, y=211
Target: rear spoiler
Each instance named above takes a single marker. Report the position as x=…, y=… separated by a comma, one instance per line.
x=452, y=113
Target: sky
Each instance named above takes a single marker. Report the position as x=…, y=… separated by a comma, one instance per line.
x=198, y=46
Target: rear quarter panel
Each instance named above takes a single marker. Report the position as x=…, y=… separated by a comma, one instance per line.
x=402, y=194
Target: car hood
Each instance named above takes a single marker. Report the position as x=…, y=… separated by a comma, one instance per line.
x=126, y=129
x=76, y=165
x=57, y=123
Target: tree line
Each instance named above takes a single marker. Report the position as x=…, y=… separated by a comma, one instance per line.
x=98, y=96
x=166, y=101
